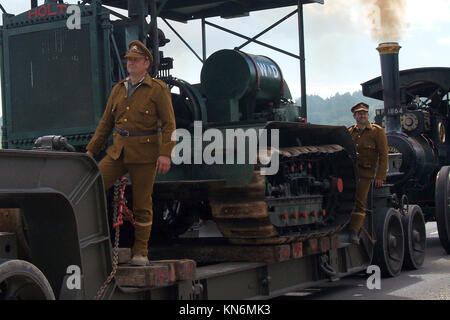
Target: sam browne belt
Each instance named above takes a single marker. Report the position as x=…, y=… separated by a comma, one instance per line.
x=126, y=133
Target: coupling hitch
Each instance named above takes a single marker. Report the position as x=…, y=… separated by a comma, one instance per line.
x=53, y=143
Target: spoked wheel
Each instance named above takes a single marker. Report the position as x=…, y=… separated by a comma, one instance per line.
x=415, y=237
x=442, y=212
x=390, y=246
x=20, y=280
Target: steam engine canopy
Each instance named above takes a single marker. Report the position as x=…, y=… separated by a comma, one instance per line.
x=232, y=74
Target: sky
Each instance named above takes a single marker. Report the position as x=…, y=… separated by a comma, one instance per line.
x=341, y=37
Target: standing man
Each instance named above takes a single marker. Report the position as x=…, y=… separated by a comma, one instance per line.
x=372, y=152
x=135, y=107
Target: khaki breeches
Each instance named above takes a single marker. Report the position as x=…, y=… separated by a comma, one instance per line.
x=358, y=215
x=142, y=178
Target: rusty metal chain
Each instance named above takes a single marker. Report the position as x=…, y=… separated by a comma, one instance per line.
x=100, y=292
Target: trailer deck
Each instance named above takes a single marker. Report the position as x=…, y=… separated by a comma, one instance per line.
x=221, y=271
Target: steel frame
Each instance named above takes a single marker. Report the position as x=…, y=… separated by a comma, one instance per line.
x=300, y=56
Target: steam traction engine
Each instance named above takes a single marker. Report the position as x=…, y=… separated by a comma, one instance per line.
x=416, y=120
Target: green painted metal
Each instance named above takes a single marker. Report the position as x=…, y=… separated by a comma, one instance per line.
x=230, y=174
x=240, y=86
x=3, y=141
x=60, y=76
x=231, y=74
x=308, y=205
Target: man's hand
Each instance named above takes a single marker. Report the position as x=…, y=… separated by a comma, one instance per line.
x=90, y=153
x=163, y=164
x=378, y=182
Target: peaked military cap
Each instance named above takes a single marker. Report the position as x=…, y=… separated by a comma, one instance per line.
x=137, y=49
x=360, y=106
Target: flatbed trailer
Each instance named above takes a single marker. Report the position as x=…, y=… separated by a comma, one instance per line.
x=267, y=272
x=67, y=225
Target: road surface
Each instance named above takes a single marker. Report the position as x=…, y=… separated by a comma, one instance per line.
x=431, y=282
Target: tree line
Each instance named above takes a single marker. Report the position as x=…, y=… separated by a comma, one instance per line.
x=335, y=110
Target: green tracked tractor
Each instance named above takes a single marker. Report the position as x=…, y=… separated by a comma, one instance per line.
x=238, y=91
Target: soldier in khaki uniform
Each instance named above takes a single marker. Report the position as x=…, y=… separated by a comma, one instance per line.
x=135, y=106
x=372, y=152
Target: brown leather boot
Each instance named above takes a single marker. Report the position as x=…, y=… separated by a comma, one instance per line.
x=139, y=260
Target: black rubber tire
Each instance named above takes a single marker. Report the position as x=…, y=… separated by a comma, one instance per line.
x=389, y=249
x=415, y=238
x=442, y=210
x=21, y=280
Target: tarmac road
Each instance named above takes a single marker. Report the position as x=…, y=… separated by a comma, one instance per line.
x=431, y=282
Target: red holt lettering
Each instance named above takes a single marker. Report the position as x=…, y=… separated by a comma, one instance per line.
x=49, y=10
x=32, y=13
x=42, y=13
x=62, y=7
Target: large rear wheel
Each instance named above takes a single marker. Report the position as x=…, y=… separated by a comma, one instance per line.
x=442, y=212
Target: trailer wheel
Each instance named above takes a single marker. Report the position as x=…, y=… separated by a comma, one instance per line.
x=442, y=210
x=389, y=249
x=415, y=237
x=20, y=280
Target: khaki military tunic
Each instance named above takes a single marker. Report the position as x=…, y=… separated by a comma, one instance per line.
x=150, y=102
x=372, y=152
x=149, y=106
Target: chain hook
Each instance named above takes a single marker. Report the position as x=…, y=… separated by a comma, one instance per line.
x=119, y=207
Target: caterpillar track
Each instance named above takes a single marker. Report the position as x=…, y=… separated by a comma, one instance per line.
x=312, y=195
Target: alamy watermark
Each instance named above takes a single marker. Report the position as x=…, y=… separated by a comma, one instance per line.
x=74, y=20
x=228, y=146
x=74, y=279
x=374, y=281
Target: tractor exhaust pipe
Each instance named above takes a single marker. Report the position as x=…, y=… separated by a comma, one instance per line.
x=391, y=85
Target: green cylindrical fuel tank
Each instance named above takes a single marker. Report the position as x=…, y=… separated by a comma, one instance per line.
x=232, y=74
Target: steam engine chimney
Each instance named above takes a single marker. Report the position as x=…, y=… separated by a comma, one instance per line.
x=390, y=80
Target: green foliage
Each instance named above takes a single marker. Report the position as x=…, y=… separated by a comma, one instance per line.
x=336, y=109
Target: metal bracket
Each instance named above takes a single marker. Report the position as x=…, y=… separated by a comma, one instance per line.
x=8, y=245
x=326, y=267
x=197, y=289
